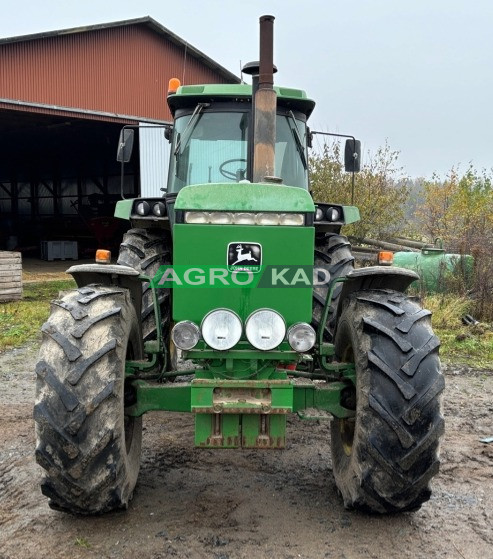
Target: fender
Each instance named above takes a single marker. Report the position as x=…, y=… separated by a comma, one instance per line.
x=110, y=274
x=376, y=277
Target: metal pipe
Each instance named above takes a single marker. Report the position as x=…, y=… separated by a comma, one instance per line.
x=265, y=106
x=266, y=70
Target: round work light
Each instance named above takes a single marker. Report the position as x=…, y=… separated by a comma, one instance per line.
x=301, y=337
x=143, y=208
x=221, y=329
x=265, y=329
x=333, y=214
x=185, y=335
x=159, y=209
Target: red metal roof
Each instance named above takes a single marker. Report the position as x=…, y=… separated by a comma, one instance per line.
x=116, y=71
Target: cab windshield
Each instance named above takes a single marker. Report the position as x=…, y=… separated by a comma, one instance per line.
x=212, y=147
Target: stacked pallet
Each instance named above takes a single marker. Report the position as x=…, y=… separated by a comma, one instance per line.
x=10, y=276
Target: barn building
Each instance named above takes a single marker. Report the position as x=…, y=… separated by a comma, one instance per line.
x=64, y=96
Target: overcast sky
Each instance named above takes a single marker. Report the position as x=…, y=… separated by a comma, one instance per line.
x=417, y=73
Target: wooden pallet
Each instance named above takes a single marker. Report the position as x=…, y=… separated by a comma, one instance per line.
x=10, y=276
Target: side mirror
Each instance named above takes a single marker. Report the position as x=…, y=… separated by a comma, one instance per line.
x=352, y=156
x=168, y=132
x=125, y=145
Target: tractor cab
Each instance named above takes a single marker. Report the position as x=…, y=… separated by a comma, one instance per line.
x=213, y=135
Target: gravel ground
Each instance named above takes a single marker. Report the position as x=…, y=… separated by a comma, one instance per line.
x=243, y=504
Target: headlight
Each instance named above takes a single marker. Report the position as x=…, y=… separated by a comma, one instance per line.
x=143, y=208
x=267, y=219
x=185, y=335
x=333, y=214
x=291, y=219
x=221, y=329
x=301, y=337
x=196, y=217
x=159, y=209
x=319, y=214
x=220, y=218
x=244, y=218
x=265, y=329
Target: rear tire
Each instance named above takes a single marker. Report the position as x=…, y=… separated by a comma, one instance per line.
x=384, y=459
x=88, y=447
x=333, y=253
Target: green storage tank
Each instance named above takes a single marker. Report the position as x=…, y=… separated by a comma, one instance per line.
x=435, y=266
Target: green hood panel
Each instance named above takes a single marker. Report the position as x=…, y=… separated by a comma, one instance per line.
x=244, y=197
x=207, y=245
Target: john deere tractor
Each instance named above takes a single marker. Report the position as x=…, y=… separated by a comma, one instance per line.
x=235, y=298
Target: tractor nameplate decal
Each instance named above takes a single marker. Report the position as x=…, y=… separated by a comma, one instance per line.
x=244, y=257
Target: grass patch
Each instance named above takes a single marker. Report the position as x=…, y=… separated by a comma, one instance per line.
x=21, y=321
x=82, y=542
x=460, y=344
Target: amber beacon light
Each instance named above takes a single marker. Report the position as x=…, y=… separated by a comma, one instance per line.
x=173, y=85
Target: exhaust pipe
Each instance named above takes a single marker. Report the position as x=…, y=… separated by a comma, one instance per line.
x=265, y=104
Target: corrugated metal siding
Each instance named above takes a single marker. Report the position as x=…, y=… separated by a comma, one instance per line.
x=154, y=151
x=123, y=70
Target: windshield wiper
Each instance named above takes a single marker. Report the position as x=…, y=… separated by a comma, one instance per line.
x=191, y=124
x=297, y=140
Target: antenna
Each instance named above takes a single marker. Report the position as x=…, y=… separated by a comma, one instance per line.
x=184, y=62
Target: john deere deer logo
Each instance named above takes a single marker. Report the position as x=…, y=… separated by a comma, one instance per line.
x=244, y=256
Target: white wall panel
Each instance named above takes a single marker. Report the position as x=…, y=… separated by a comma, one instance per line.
x=154, y=159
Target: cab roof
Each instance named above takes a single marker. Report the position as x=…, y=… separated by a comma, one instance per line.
x=190, y=95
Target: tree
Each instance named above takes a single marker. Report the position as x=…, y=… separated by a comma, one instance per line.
x=459, y=209
x=380, y=190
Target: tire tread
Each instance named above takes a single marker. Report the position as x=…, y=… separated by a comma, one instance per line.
x=399, y=423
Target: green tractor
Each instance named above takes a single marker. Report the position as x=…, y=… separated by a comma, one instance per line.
x=235, y=298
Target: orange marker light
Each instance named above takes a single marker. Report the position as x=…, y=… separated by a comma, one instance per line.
x=173, y=85
x=385, y=258
x=103, y=256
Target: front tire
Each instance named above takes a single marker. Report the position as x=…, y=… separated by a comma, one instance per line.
x=88, y=447
x=384, y=459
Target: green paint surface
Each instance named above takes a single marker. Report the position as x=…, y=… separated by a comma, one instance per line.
x=190, y=95
x=196, y=245
x=123, y=208
x=245, y=197
x=351, y=214
x=236, y=90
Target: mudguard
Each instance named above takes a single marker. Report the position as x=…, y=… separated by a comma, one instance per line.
x=376, y=277
x=110, y=274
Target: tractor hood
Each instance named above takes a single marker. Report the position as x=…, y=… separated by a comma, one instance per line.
x=262, y=228
x=244, y=197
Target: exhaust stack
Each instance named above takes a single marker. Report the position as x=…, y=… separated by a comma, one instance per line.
x=265, y=104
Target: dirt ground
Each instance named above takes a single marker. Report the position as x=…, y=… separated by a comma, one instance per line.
x=241, y=504
x=34, y=269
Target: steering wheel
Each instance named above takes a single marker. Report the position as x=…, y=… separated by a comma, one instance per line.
x=229, y=174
